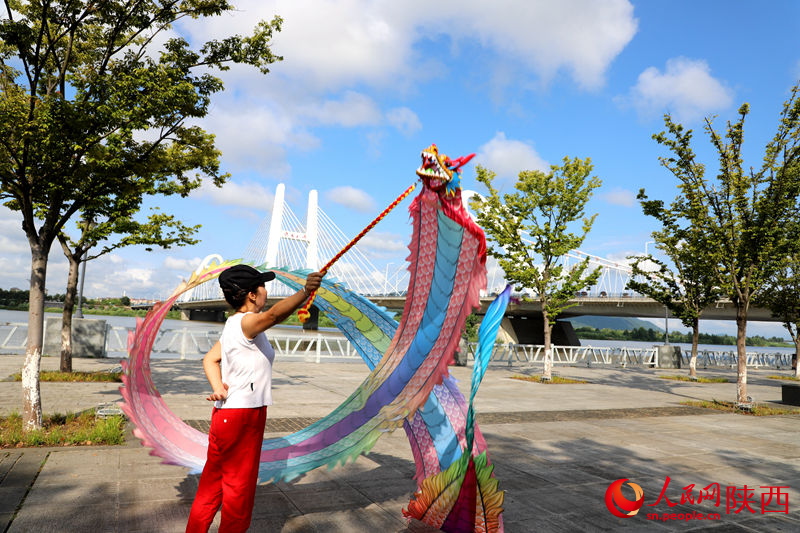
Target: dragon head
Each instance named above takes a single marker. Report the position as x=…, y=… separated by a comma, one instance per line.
x=439, y=171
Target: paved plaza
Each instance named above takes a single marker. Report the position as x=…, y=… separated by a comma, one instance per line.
x=556, y=450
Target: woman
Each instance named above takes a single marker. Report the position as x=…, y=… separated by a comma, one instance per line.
x=239, y=369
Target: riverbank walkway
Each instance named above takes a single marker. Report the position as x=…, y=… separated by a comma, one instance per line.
x=556, y=448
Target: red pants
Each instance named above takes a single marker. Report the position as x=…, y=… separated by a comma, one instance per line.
x=231, y=471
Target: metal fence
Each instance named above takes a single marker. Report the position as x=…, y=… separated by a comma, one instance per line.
x=533, y=354
x=193, y=343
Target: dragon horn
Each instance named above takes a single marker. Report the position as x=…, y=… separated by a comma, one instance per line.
x=456, y=164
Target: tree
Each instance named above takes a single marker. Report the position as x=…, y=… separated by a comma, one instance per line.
x=782, y=296
x=86, y=113
x=744, y=214
x=532, y=231
x=96, y=227
x=690, y=286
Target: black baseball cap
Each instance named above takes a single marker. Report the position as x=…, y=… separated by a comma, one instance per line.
x=243, y=277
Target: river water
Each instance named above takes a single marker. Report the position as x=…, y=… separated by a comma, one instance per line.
x=21, y=317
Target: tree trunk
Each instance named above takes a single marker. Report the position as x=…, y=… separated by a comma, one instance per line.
x=66, y=317
x=741, y=353
x=795, y=366
x=548, y=353
x=31, y=397
x=695, y=340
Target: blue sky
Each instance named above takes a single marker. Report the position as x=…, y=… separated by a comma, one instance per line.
x=366, y=85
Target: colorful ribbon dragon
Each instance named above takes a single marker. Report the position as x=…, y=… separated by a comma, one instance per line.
x=408, y=385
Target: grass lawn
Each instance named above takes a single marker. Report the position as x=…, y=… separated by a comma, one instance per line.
x=788, y=378
x=81, y=429
x=556, y=380
x=698, y=380
x=100, y=377
x=730, y=407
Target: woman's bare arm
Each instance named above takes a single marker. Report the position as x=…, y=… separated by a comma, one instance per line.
x=255, y=323
x=213, y=370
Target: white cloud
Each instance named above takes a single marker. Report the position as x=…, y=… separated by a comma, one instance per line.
x=353, y=109
x=352, y=198
x=623, y=197
x=383, y=242
x=581, y=37
x=11, y=245
x=507, y=157
x=182, y=265
x=686, y=89
x=331, y=48
x=131, y=271
x=622, y=257
x=256, y=136
x=141, y=277
x=404, y=120
x=374, y=141
x=247, y=194
x=337, y=44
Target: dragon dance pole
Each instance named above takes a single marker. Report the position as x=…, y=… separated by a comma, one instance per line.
x=303, y=314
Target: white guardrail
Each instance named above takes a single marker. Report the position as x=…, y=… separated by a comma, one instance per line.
x=193, y=343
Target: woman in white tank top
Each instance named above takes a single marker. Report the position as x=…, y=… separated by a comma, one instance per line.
x=239, y=369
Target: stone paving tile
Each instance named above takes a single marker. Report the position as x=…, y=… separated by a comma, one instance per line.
x=155, y=489
x=555, y=465
x=274, y=505
x=25, y=469
x=370, y=518
x=8, y=458
x=10, y=498
x=70, y=494
x=294, y=524
x=312, y=501
x=161, y=516
x=769, y=524
x=279, y=425
x=95, y=518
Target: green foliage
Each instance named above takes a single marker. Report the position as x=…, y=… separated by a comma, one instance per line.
x=651, y=335
x=91, y=122
x=324, y=321
x=532, y=229
x=781, y=294
x=730, y=407
x=554, y=380
x=75, y=377
x=696, y=380
x=18, y=299
x=744, y=214
x=471, y=325
x=63, y=430
x=787, y=378
x=691, y=284
x=746, y=217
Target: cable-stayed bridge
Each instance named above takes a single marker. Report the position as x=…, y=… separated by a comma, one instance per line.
x=284, y=240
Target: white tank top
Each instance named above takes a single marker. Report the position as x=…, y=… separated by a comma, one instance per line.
x=246, y=367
